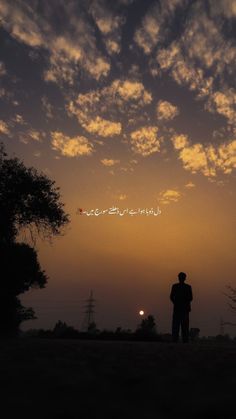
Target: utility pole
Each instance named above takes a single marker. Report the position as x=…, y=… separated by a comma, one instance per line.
x=89, y=313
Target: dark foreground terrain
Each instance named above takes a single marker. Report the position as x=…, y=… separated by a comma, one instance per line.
x=91, y=379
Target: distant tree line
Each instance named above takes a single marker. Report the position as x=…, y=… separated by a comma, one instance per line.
x=63, y=331
x=145, y=331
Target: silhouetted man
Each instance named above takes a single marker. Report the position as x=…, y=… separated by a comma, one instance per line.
x=181, y=296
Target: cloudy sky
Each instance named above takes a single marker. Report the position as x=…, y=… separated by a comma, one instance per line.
x=128, y=103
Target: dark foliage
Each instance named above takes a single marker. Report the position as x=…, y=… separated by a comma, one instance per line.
x=28, y=199
x=21, y=269
x=147, y=328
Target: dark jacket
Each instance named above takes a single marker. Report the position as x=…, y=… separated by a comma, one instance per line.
x=181, y=296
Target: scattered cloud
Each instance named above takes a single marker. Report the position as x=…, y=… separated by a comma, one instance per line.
x=183, y=71
x=168, y=196
x=4, y=128
x=37, y=154
x=119, y=196
x=133, y=161
x=67, y=59
x=120, y=97
x=3, y=70
x=109, y=162
x=180, y=141
x=145, y=141
x=31, y=134
x=21, y=22
x=167, y=57
x=36, y=135
x=166, y=111
x=109, y=24
x=117, y=94
x=194, y=159
x=70, y=51
x=204, y=42
x=227, y=157
x=134, y=71
x=70, y=146
x=209, y=160
x=202, y=57
x=146, y=36
x=154, y=26
x=47, y=107
x=102, y=127
x=190, y=185
x=2, y=92
x=122, y=197
x=224, y=103
x=226, y=8
x=129, y=90
x=18, y=120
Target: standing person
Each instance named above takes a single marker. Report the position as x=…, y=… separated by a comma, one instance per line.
x=181, y=296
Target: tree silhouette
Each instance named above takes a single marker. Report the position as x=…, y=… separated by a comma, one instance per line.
x=62, y=330
x=28, y=199
x=147, y=328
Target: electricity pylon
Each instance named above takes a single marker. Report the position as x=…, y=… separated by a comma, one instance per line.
x=89, y=313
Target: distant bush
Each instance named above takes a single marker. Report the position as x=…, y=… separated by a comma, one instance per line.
x=62, y=330
x=147, y=330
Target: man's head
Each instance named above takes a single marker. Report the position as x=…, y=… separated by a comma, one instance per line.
x=182, y=277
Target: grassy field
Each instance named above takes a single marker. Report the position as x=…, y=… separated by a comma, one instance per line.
x=92, y=379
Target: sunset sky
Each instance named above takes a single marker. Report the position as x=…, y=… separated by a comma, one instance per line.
x=127, y=103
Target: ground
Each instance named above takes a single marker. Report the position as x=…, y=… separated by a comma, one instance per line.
x=68, y=379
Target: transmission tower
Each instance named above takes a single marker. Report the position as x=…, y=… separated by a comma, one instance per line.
x=89, y=313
